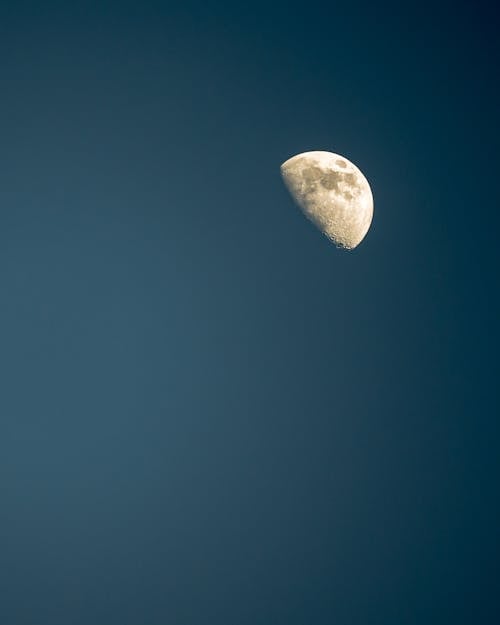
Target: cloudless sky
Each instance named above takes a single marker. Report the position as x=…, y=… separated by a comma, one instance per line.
x=209, y=415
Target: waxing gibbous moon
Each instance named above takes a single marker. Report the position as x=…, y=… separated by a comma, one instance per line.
x=333, y=193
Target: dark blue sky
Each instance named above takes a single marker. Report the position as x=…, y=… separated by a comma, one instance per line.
x=208, y=414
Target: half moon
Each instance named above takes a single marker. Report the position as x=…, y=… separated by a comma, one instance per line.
x=333, y=193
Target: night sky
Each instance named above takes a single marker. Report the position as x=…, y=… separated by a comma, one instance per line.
x=209, y=415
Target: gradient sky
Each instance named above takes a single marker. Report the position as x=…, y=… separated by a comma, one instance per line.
x=208, y=414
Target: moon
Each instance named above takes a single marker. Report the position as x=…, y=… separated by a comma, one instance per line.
x=332, y=193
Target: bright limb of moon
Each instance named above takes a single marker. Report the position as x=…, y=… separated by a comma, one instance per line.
x=333, y=193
